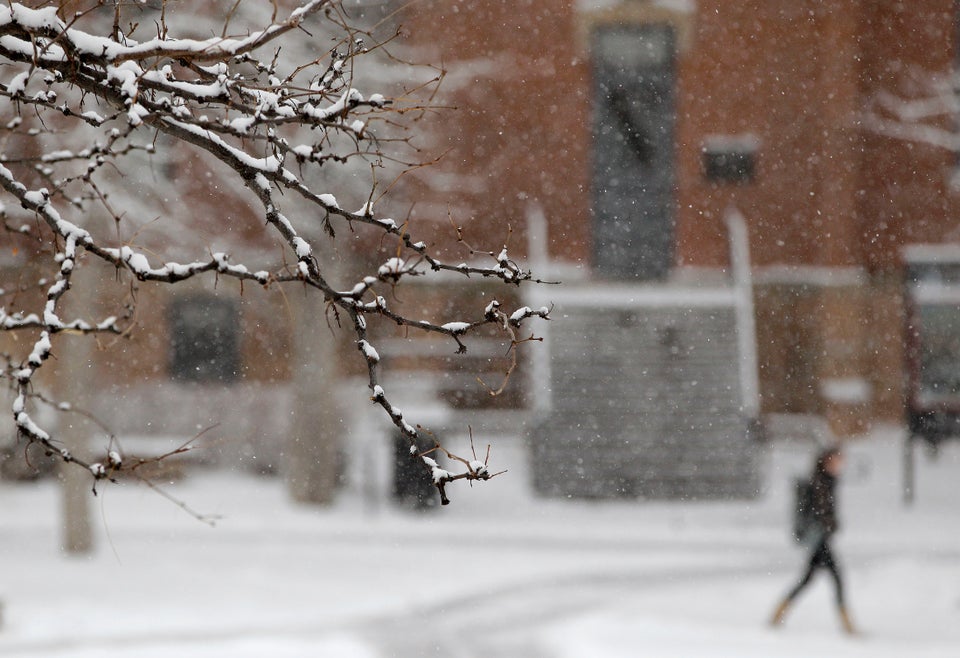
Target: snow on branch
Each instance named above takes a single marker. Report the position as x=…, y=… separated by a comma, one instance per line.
x=924, y=109
x=86, y=108
x=474, y=469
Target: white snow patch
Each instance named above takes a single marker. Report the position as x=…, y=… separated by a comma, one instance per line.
x=456, y=327
x=369, y=352
x=329, y=200
x=850, y=390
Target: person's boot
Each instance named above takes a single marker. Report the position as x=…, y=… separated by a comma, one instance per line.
x=848, y=627
x=780, y=613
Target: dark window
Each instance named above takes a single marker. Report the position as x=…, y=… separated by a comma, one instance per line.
x=939, y=350
x=204, y=344
x=634, y=113
x=728, y=165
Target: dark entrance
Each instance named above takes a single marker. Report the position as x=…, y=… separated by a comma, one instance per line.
x=634, y=82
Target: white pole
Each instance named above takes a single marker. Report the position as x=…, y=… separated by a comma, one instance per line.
x=746, y=322
x=539, y=258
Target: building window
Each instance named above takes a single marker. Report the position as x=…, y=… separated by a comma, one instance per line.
x=730, y=158
x=204, y=339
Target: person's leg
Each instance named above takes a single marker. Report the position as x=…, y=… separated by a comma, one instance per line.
x=831, y=565
x=816, y=558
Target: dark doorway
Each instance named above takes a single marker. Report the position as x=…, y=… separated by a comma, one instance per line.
x=634, y=114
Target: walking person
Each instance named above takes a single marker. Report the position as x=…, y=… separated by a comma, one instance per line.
x=822, y=526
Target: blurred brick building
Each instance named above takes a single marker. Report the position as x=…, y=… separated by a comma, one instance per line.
x=633, y=125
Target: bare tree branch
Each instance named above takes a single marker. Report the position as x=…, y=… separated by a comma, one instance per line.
x=82, y=101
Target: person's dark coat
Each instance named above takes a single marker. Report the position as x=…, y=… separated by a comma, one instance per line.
x=824, y=499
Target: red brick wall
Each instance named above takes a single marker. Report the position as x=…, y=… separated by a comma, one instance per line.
x=519, y=133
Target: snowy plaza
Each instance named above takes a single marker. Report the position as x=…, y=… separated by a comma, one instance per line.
x=496, y=573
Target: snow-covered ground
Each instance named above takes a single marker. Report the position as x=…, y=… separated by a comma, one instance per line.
x=497, y=573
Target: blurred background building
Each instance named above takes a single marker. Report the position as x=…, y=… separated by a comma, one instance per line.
x=608, y=143
x=633, y=128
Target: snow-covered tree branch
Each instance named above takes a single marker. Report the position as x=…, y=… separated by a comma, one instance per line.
x=924, y=108
x=88, y=96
